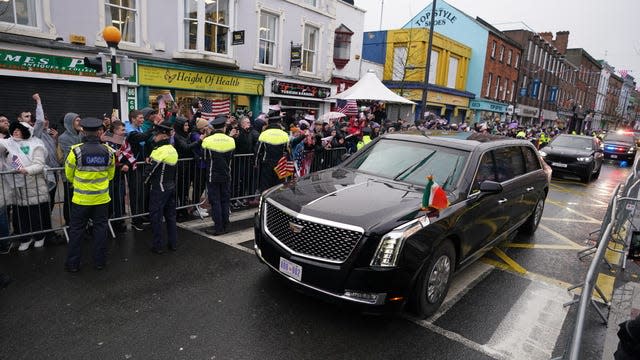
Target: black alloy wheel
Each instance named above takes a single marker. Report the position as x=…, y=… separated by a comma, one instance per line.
x=433, y=282
x=530, y=226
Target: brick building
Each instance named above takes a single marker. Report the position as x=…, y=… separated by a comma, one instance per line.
x=586, y=89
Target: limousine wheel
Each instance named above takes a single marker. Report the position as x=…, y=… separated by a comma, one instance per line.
x=433, y=282
x=530, y=226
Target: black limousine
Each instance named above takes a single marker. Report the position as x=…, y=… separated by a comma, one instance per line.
x=356, y=232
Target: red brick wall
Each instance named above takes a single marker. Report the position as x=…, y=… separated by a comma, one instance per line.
x=497, y=68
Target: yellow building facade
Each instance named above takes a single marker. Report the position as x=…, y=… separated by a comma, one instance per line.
x=405, y=66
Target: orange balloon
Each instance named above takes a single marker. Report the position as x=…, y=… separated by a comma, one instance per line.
x=111, y=34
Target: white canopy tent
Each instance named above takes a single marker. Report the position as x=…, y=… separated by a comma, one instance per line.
x=369, y=87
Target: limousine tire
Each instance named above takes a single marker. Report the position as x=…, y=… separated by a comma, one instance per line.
x=434, y=280
x=530, y=226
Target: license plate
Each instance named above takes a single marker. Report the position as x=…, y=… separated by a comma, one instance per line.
x=614, y=156
x=558, y=164
x=290, y=268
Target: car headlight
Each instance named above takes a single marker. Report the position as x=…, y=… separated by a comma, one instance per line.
x=386, y=254
x=542, y=153
x=631, y=150
x=585, y=159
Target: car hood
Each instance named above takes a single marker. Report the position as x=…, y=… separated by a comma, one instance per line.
x=352, y=198
x=566, y=151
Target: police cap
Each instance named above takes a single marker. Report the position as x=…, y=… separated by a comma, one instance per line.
x=219, y=122
x=275, y=116
x=163, y=128
x=91, y=124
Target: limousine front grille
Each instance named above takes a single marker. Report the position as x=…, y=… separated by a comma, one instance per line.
x=310, y=239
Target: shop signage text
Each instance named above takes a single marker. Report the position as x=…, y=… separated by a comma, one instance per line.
x=287, y=88
x=483, y=105
x=52, y=64
x=441, y=18
x=296, y=55
x=238, y=37
x=527, y=111
x=196, y=80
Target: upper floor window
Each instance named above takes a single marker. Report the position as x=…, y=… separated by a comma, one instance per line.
x=206, y=25
x=509, y=55
x=453, y=72
x=313, y=3
x=493, y=50
x=399, y=63
x=342, y=46
x=267, y=35
x=309, y=48
x=487, y=91
x=515, y=63
x=123, y=14
x=433, y=66
x=19, y=12
x=501, y=53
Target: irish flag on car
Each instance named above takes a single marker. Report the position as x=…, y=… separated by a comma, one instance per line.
x=434, y=196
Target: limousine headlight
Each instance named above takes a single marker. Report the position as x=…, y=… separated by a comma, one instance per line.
x=386, y=254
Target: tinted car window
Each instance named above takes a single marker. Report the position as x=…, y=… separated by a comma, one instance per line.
x=624, y=137
x=411, y=162
x=531, y=159
x=509, y=163
x=573, y=142
x=486, y=171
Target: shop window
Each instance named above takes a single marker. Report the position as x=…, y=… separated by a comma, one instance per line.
x=399, y=63
x=267, y=36
x=309, y=48
x=453, y=72
x=206, y=25
x=123, y=14
x=19, y=12
x=342, y=46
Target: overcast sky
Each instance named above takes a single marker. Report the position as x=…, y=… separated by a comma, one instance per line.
x=608, y=30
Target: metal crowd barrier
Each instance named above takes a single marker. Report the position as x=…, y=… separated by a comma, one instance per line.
x=129, y=193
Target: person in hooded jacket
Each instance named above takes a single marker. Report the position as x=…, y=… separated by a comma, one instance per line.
x=185, y=147
x=6, y=192
x=26, y=155
x=71, y=136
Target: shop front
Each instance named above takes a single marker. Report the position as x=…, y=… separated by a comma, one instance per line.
x=297, y=98
x=168, y=85
x=452, y=107
x=548, y=118
x=488, y=111
x=527, y=115
x=63, y=82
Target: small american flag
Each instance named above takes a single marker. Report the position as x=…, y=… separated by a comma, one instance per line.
x=16, y=163
x=284, y=168
x=623, y=73
x=213, y=108
x=347, y=107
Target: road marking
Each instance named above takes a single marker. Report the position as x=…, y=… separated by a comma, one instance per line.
x=571, y=220
x=561, y=237
x=217, y=238
x=540, y=246
x=458, y=338
x=514, y=265
x=574, y=211
x=605, y=283
x=237, y=237
x=614, y=257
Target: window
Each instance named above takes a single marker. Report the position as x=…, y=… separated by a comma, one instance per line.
x=488, y=89
x=513, y=88
x=535, y=54
x=433, y=66
x=486, y=171
x=267, y=39
x=206, y=25
x=399, y=63
x=529, y=51
x=495, y=95
x=313, y=3
x=342, y=46
x=123, y=14
x=309, y=48
x=493, y=50
x=453, y=72
x=504, y=89
x=515, y=64
x=501, y=54
x=509, y=55
x=509, y=163
x=19, y=12
x=531, y=159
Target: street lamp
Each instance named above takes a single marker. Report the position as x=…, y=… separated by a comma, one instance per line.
x=112, y=36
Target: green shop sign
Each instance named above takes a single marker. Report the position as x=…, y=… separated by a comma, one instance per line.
x=50, y=64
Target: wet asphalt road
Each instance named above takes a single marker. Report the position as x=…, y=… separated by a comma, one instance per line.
x=212, y=301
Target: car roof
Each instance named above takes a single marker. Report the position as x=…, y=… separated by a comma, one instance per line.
x=456, y=143
x=576, y=136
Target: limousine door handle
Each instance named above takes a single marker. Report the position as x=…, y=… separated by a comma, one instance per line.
x=530, y=188
x=502, y=201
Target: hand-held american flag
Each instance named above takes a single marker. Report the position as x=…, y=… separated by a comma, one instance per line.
x=347, y=107
x=284, y=168
x=16, y=164
x=213, y=108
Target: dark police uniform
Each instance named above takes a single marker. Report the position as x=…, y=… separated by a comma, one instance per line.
x=90, y=166
x=218, y=152
x=272, y=144
x=160, y=175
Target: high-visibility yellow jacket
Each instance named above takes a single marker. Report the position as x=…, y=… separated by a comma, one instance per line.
x=89, y=167
x=218, y=153
x=521, y=135
x=365, y=140
x=161, y=172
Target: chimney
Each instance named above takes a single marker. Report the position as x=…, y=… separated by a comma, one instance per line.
x=547, y=36
x=562, y=41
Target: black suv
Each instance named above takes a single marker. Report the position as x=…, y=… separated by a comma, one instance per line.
x=574, y=155
x=356, y=232
x=619, y=145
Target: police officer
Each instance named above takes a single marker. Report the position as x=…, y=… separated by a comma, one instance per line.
x=218, y=151
x=272, y=144
x=160, y=175
x=89, y=166
x=366, y=138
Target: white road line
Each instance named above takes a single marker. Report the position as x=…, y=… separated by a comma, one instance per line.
x=534, y=322
x=571, y=220
x=217, y=238
x=237, y=237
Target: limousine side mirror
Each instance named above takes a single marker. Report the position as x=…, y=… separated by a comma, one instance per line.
x=490, y=187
